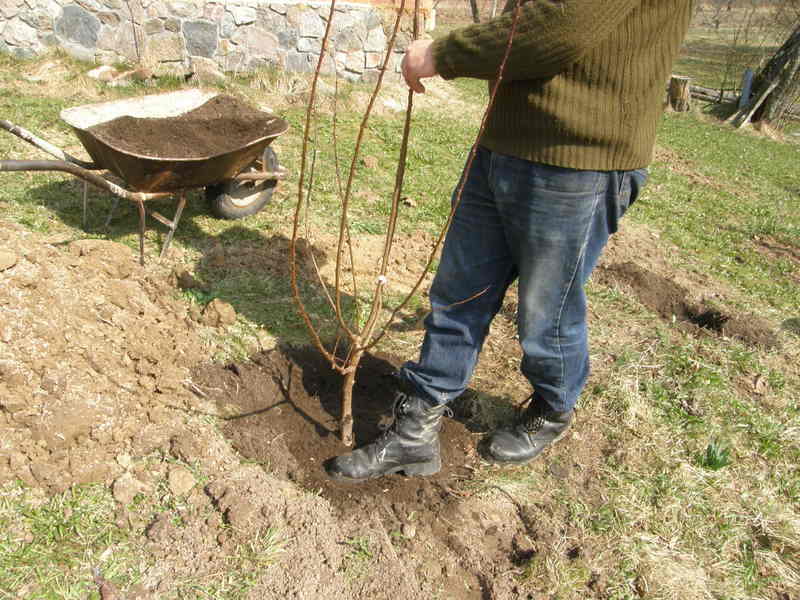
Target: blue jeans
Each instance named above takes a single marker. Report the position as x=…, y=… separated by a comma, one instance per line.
x=543, y=225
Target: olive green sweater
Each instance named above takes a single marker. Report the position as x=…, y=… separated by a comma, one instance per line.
x=584, y=83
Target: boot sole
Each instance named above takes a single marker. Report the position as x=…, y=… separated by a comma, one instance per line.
x=425, y=469
x=501, y=461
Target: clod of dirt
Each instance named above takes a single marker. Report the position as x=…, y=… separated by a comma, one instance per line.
x=186, y=281
x=125, y=488
x=670, y=301
x=181, y=481
x=221, y=125
x=218, y=313
x=7, y=260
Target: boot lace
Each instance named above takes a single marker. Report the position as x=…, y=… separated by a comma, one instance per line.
x=530, y=416
x=399, y=409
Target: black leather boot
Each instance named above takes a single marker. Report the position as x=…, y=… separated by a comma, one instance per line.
x=537, y=428
x=410, y=445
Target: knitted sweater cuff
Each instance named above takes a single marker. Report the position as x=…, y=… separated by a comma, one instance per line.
x=444, y=67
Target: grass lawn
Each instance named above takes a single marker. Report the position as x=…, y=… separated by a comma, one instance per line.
x=689, y=444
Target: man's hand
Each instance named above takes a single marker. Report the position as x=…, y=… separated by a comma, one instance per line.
x=418, y=63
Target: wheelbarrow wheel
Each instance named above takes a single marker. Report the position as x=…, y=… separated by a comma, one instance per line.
x=233, y=199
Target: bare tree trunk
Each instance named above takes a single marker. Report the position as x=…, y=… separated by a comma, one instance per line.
x=680, y=93
x=473, y=4
x=346, y=422
x=782, y=74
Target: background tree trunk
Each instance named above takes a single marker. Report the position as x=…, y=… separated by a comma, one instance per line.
x=473, y=4
x=782, y=73
x=680, y=93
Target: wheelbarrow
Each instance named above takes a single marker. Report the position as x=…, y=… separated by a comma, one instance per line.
x=238, y=182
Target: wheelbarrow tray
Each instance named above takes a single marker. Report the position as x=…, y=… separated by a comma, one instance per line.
x=157, y=174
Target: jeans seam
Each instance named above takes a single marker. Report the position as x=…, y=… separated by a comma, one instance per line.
x=581, y=254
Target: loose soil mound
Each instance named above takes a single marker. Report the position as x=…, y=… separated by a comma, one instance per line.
x=222, y=124
x=93, y=352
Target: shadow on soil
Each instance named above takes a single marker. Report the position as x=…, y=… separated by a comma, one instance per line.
x=241, y=265
x=281, y=409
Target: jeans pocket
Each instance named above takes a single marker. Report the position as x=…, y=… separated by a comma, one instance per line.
x=630, y=186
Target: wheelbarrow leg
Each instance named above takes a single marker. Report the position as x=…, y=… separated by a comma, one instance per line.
x=173, y=225
x=85, y=197
x=142, y=214
x=112, y=211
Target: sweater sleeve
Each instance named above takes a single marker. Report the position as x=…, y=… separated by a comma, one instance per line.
x=550, y=35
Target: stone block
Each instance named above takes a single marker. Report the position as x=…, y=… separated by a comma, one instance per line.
x=113, y=4
x=293, y=12
x=402, y=41
x=201, y=38
x=376, y=40
x=328, y=65
x=77, y=51
x=372, y=19
x=242, y=15
x=351, y=38
x=165, y=47
x=78, y=26
x=234, y=61
x=206, y=70
x=288, y=39
x=227, y=26
x=279, y=8
x=310, y=24
x=213, y=12
x=355, y=62
x=10, y=8
x=108, y=18
x=182, y=9
x=38, y=19
x=90, y=5
x=130, y=43
x=261, y=44
x=172, y=24
x=153, y=26
x=157, y=9
x=107, y=39
x=309, y=45
x=48, y=39
x=20, y=34
x=299, y=62
x=4, y=48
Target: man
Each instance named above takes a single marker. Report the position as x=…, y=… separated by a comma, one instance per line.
x=562, y=157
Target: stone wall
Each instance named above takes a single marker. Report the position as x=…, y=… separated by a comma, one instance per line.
x=180, y=37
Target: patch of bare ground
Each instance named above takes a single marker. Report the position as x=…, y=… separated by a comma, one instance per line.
x=635, y=261
x=446, y=532
x=97, y=361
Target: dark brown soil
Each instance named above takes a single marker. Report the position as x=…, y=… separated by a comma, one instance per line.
x=670, y=300
x=221, y=125
x=282, y=410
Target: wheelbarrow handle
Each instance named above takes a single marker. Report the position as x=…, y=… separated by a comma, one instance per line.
x=44, y=145
x=85, y=174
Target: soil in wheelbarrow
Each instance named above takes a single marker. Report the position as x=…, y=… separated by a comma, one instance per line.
x=222, y=124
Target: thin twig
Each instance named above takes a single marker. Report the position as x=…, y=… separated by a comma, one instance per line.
x=460, y=189
x=351, y=175
x=300, y=188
